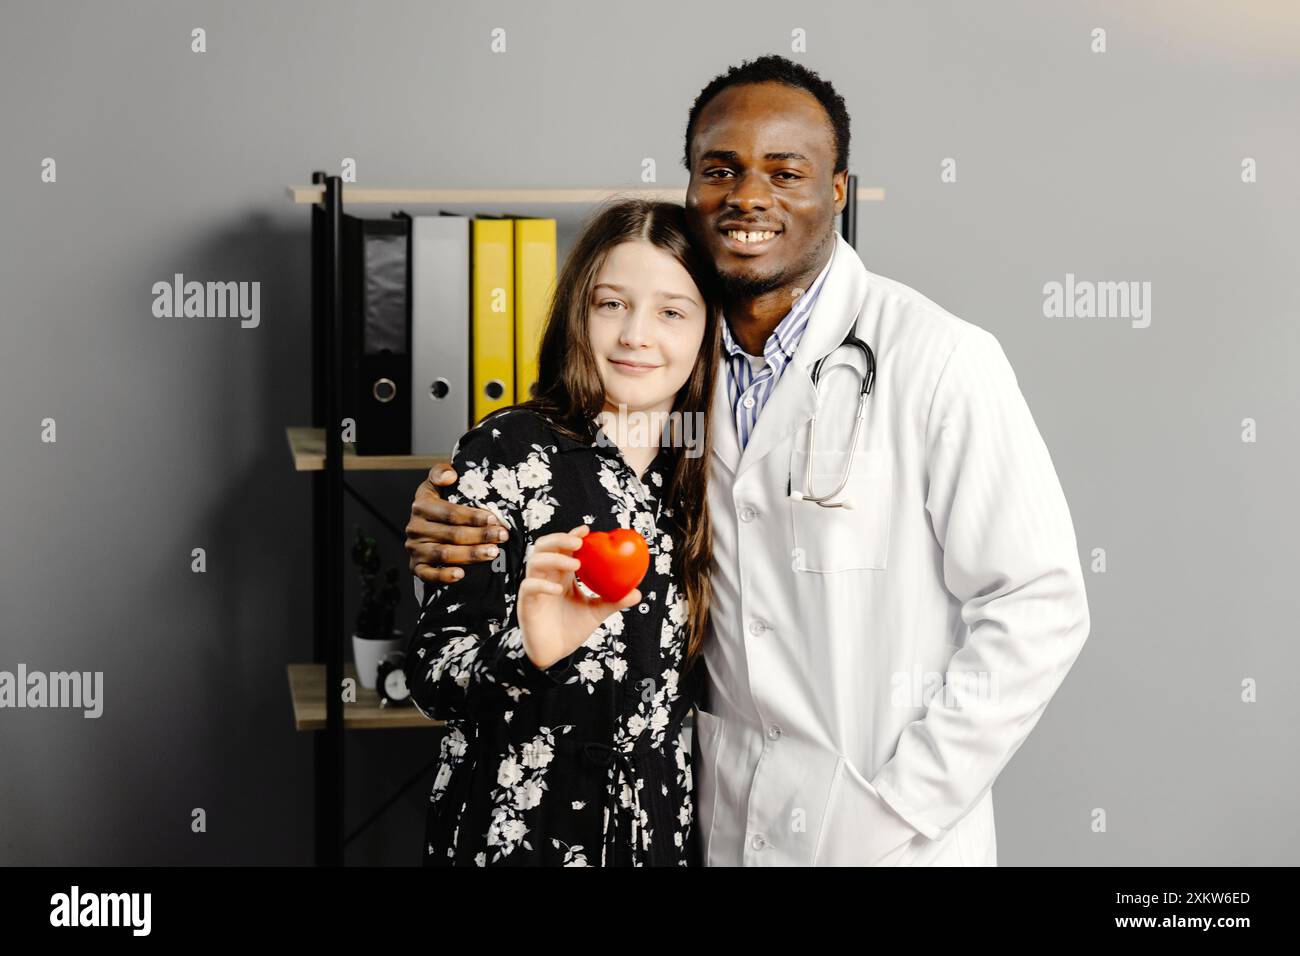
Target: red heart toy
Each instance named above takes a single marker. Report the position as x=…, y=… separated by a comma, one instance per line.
x=613, y=562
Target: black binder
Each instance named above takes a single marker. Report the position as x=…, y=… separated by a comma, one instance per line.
x=377, y=333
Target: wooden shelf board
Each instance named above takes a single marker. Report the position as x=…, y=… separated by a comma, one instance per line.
x=307, y=690
x=307, y=445
x=354, y=194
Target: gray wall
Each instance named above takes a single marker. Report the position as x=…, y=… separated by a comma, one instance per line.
x=1122, y=166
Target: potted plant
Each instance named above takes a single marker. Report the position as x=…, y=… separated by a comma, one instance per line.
x=374, y=637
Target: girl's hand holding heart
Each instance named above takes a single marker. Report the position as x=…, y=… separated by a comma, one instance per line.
x=555, y=618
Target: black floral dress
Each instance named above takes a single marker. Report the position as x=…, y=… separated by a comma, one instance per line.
x=584, y=763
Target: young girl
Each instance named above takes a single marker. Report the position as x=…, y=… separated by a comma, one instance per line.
x=564, y=741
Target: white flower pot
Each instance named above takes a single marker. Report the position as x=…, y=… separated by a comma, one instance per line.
x=368, y=652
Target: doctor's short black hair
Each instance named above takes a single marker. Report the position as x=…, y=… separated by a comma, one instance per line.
x=777, y=69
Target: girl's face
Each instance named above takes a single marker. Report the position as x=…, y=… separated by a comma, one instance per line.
x=646, y=319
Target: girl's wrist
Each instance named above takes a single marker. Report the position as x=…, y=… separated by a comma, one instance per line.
x=528, y=651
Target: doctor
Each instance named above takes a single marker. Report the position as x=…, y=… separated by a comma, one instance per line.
x=878, y=656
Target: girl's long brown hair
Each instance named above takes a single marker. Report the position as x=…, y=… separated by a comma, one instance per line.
x=571, y=394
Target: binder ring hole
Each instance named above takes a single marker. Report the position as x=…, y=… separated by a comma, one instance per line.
x=495, y=389
x=440, y=388
x=384, y=390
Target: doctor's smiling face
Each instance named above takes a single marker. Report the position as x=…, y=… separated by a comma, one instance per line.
x=763, y=195
x=646, y=321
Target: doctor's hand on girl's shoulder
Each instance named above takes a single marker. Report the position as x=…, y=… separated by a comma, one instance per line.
x=441, y=535
x=555, y=618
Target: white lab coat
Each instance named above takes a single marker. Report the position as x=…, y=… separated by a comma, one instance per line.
x=822, y=739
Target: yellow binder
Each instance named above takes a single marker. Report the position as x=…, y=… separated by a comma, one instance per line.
x=534, y=287
x=492, y=344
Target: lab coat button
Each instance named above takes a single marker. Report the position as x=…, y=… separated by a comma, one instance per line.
x=757, y=627
x=747, y=514
x=757, y=841
x=749, y=401
x=774, y=731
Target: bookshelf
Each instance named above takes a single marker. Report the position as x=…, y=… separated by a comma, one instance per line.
x=319, y=449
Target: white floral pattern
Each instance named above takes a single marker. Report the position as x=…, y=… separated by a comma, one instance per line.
x=584, y=763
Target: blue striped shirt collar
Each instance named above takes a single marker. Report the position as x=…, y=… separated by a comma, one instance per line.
x=785, y=337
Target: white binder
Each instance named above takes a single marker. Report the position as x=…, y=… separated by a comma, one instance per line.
x=440, y=317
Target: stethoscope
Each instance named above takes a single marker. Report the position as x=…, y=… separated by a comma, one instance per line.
x=867, y=380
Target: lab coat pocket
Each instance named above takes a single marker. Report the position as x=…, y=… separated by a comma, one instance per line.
x=841, y=539
x=859, y=829
x=709, y=728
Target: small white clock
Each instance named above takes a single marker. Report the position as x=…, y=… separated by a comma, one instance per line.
x=390, y=681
